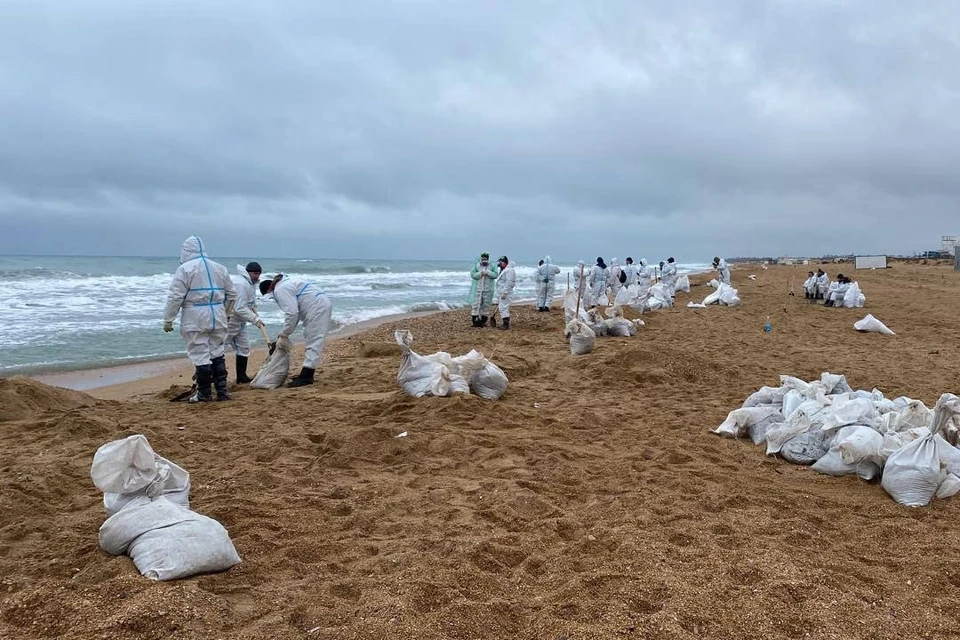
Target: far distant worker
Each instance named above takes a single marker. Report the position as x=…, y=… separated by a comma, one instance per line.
x=301, y=301
x=506, y=282
x=579, y=275
x=597, y=282
x=245, y=312
x=484, y=277
x=645, y=277
x=614, y=282
x=723, y=270
x=546, y=283
x=810, y=286
x=823, y=283
x=203, y=294
x=669, y=277
x=631, y=272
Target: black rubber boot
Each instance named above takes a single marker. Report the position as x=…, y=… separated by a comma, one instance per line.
x=220, y=378
x=302, y=380
x=483, y=321
x=204, y=375
x=505, y=324
x=475, y=321
x=242, y=377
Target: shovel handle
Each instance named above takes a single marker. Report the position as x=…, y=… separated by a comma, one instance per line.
x=266, y=336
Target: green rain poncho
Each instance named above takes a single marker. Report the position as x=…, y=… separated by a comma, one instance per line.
x=482, y=282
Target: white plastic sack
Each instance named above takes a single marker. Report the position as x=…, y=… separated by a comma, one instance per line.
x=124, y=466
x=582, y=338
x=949, y=487
x=683, y=284
x=570, y=307
x=730, y=297
x=870, y=324
x=613, y=312
x=913, y=474
x=857, y=411
x=275, y=369
x=832, y=465
x=946, y=417
x=618, y=327
x=860, y=444
x=167, y=541
x=696, y=305
x=766, y=396
x=739, y=421
x=853, y=298
x=713, y=284
x=833, y=383
x=627, y=295
x=486, y=379
x=421, y=377
x=807, y=448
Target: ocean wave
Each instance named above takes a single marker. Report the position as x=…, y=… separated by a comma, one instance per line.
x=434, y=306
x=390, y=285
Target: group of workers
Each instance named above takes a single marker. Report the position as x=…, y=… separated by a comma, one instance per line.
x=215, y=310
x=818, y=287
x=494, y=283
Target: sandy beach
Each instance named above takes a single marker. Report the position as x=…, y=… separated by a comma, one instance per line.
x=591, y=501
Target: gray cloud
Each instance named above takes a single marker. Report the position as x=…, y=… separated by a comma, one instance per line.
x=430, y=128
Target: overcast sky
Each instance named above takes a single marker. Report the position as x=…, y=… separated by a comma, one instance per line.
x=436, y=129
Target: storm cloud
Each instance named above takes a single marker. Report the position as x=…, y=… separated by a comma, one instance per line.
x=433, y=129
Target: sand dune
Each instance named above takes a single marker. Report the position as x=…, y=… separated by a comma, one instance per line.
x=590, y=502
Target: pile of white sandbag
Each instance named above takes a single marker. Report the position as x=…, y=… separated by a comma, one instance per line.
x=658, y=297
x=724, y=295
x=442, y=375
x=148, y=500
x=839, y=431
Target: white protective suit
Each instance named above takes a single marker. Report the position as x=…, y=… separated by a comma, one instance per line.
x=201, y=291
x=613, y=279
x=546, y=282
x=644, y=277
x=506, y=281
x=577, y=281
x=723, y=269
x=303, y=301
x=810, y=286
x=632, y=272
x=836, y=292
x=597, y=283
x=669, y=277
x=823, y=283
x=244, y=312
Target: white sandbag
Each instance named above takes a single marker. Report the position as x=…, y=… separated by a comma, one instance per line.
x=853, y=298
x=791, y=402
x=832, y=465
x=913, y=474
x=486, y=379
x=696, y=305
x=833, y=383
x=799, y=422
x=870, y=324
x=613, y=312
x=949, y=487
x=570, y=307
x=275, y=369
x=739, y=421
x=713, y=284
x=766, y=396
x=444, y=358
x=124, y=466
x=729, y=297
x=914, y=415
x=861, y=444
x=132, y=464
x=421, y=377
x=857, y=411
x=683, y=284
x=659, y=297
x=167, y=541
x=627, y=295
x=807, y=448
x=618, y=327
x=894, y=441
x=946, y=417
x=713, y=298
x=582, y=338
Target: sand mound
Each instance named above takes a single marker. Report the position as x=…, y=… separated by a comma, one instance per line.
x=24, y=399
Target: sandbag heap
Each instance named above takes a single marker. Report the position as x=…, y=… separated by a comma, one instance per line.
x=147, y=499
x=839, y=431
x=442, y=375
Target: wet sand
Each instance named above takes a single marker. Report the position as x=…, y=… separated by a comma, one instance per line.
x=591, y=501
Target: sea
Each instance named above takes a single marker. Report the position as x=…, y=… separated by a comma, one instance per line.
x=64, y=313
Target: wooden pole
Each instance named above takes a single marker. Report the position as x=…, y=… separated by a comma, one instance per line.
x=579, y=292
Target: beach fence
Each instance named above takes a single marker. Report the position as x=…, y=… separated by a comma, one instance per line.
x=956, y=258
